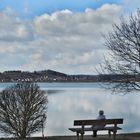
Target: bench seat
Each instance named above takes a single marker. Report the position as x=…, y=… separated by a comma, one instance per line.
x=94, y=129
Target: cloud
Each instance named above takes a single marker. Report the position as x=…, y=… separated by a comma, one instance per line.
x=67, y=41
x=67, y=23
x=130, y=6
x=134, y=2
x=13, y=28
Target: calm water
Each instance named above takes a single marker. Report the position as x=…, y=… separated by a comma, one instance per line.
x=70, y=101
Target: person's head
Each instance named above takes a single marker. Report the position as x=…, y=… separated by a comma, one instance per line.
x=101, y=112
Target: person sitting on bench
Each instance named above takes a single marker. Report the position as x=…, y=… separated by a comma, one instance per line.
x=101, y=116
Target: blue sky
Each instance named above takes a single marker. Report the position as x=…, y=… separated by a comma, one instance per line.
x=32, y=8
x=63, y=35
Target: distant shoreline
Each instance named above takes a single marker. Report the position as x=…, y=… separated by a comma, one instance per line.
x=54, y=81
x=54, y=76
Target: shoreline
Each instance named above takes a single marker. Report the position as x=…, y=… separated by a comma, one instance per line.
x=121, y=136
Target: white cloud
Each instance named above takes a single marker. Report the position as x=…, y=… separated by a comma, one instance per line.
x=134, y=2
x=130, y=6
x=12, y=28
x=77, y=24
x=66, y=41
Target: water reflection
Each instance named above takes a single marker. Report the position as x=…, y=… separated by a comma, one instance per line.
x=70, y=101
x=53, y=91
x=72, y=104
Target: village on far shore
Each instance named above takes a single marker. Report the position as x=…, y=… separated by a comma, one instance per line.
x=44, y=76
x=54, y=76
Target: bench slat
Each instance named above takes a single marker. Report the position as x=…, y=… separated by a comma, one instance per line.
x=98, y=122
x=93, y=129
x=76, y=129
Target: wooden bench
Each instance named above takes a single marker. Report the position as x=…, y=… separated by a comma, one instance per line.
x=110, y=125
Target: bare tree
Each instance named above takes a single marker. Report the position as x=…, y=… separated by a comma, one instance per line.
x=22, y=109
x=123, y=63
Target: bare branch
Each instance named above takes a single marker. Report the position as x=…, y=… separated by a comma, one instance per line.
x=22, y=107
x=124, y=62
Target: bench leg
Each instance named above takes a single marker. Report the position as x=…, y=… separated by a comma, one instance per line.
x=114, y=134
x=109, y=133
x=94, y=133
x=82, y=134
x=77, y=135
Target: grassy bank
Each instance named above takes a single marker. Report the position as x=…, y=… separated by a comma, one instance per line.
x=126, y=136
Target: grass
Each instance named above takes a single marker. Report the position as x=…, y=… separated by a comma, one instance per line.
x=132, y=134
x=126, y=136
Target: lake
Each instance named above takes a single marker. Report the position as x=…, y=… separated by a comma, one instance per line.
x=70, y=101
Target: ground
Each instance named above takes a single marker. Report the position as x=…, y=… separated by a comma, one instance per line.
x=134, y=136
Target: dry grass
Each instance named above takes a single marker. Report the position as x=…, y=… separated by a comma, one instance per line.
x=129, y=136
x=133, y=136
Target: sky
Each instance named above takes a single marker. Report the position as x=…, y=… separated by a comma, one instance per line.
x=62, y=35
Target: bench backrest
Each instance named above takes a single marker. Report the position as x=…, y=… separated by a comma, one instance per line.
x=98, y=122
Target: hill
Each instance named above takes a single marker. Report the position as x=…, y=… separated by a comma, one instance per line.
x=44, y=76
x=55, y=76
